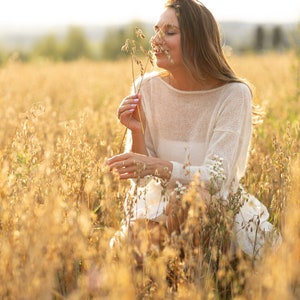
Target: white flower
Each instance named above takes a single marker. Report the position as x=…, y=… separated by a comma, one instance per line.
x=179, y=189
x=217, y=172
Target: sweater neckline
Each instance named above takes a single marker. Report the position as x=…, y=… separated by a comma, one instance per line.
x=190, y=92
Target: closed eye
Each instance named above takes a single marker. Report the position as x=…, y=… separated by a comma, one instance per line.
x=167, y=29
x=170, y=33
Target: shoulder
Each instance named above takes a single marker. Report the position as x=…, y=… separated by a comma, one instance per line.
x=237, y=92
x=147, y=79
x=239, y=88
x=235, y=97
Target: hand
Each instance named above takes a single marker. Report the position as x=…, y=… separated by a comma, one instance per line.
x=176, y=212
x=128, y=112
x=135, y=165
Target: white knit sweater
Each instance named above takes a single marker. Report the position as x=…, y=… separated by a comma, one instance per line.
x=192, y=128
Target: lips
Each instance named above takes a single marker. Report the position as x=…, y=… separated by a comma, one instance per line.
x=160, y=51
x=157, y=51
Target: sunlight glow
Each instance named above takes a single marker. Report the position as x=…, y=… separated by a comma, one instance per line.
x=95, y=12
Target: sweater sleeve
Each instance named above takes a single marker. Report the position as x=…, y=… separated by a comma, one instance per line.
x=226, y=157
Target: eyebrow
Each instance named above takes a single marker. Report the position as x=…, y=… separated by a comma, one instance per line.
x=166, y=26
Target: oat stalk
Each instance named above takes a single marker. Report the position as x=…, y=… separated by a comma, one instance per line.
x=130, y=46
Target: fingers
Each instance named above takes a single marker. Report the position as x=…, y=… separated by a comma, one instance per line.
x=128, y=106
x=173, y=223
x=128, y=166
x=133, y=169
x=176, y=213
x=119, y=162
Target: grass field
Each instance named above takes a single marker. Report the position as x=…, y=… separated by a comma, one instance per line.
x=60, y=206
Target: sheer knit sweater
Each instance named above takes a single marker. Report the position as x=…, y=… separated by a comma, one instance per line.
x=193, y=129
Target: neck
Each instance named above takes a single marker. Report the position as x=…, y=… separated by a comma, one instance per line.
x=186, y=82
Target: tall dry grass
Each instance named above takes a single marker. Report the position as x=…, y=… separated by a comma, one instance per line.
x=60, y=206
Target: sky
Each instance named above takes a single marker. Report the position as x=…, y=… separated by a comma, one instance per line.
x=46, y=13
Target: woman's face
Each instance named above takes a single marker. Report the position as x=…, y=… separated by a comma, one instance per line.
x=166, y=41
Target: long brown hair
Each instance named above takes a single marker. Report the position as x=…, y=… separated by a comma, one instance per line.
x=201, y=46
x=201, y=41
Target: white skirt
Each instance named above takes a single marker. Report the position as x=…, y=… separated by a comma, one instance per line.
x=252, y=228
x=148, y=200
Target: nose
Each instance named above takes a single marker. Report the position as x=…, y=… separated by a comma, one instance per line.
x=157, y=38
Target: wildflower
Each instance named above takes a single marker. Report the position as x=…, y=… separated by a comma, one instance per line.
x=217, y=172
x=179, y=189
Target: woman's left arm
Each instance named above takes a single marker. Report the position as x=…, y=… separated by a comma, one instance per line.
x=132, y=165
x=228, y=147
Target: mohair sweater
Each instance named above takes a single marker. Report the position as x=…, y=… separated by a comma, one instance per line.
x=199, y=130
x=206, y=133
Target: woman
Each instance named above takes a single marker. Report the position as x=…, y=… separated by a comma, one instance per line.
x=191, y=118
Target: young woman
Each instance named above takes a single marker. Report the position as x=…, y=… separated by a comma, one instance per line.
x=196, y=116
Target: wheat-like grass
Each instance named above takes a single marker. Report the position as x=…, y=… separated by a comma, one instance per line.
x=60, y=206
x=137, y=52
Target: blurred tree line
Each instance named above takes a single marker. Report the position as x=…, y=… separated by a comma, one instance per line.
x=277, y=40
x=76, y=45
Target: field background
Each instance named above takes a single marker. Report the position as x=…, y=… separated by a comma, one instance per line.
x=60, y=206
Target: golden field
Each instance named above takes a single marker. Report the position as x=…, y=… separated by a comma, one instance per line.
x=60, y=206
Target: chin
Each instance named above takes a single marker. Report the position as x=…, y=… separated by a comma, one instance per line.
x=162, y=63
